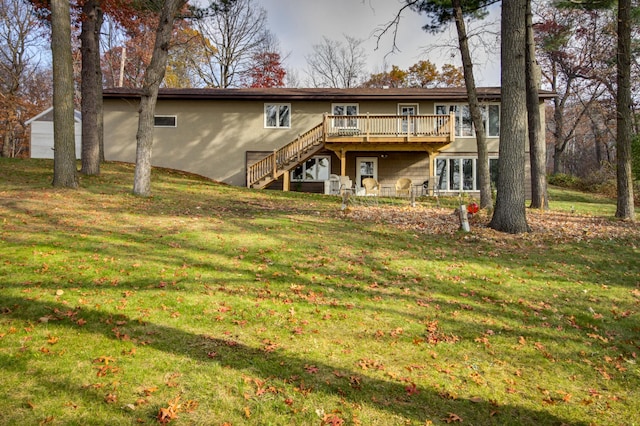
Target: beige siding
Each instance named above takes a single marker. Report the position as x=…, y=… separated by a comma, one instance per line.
x=213, y=137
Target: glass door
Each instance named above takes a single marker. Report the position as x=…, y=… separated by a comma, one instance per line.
x=366, y=167
x=405, y=111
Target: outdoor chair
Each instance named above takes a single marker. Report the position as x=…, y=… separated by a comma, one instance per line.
x=371, y=186
x=345, y=184
x=403, y=187
x=333, y=185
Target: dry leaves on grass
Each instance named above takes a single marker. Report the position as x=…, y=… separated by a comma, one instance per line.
x=561, y=226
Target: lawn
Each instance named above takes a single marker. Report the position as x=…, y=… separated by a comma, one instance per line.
x=207, y=304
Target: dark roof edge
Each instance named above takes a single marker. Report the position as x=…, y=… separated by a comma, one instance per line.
x=484, y=93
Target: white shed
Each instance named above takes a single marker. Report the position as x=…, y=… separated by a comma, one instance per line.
x=42, y=134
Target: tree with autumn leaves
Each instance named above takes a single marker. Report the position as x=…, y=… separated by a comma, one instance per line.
x=421, y=74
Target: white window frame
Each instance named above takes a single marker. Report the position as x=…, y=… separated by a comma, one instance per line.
x=341, y=123
x=404, y=123
x=278, y=119
x=469, y=131
x=175, y=120
x=359, y=160
x=447, y=187
x=304, y=172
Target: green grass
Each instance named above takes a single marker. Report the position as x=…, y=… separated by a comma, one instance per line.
x=219, y=305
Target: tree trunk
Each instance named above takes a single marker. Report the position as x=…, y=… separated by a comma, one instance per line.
x=152, y=79
x=6, y=146
x=537, y=147
x=625, y=207
x=474, y=107
x=90, y=84
x=64, y=156
x=510, y=213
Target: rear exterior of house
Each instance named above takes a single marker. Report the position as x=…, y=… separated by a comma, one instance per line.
x=295, y=139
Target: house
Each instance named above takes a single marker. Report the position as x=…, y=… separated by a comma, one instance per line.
x=41, y=145
x=295, y=139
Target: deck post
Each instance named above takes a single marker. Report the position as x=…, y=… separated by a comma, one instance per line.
x=452, y=126
x=368, y=124
x=285, y=181
x=324, y=126
x=275, y=163
x=343, y=162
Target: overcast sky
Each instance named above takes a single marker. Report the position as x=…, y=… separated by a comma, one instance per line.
x=299, y=24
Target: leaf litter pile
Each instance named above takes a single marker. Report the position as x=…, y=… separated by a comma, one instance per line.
x=556, y=226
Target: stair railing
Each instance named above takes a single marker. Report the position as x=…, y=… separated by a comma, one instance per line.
x=273, y=163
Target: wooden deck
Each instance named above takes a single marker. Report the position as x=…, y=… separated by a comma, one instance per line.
x=341, y=134
x=389, y=129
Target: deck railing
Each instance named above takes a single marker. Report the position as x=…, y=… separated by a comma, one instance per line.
x=389, y=125
x=360, y=126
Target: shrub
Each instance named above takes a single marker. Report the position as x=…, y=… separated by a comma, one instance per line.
x=601, y=181
x=564, y=180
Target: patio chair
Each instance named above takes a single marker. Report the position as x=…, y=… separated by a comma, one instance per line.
x=345, y=184
x=432, y=186
x=332, y=186
x=403, y=187
x=371, y=186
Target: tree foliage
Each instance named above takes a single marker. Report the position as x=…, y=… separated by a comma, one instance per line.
x=422, y=74
x=267, y=71
x=442, y=11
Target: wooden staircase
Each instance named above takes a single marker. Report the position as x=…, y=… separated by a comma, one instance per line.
x=281, y=161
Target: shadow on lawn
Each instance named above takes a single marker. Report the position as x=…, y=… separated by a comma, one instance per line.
x=393, y=397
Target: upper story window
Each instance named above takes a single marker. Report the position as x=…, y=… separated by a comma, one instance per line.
x=345, y=110
x=277, y=115
x=165, y=121
x=464, y=124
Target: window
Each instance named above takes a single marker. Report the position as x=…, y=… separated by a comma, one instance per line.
x=464, y=123
x=405, y=110
x=314, y=169
x=277, y=115
x=366, y=167
x=345, y=109
x=165, y=121
x=461, y=174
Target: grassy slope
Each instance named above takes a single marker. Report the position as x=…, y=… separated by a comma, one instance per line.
x=219, y=305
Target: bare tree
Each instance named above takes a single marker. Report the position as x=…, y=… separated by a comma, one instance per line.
x=20, y=38
x=573, y=50
x=337, y=64
x=234, y=35
x=64, y=157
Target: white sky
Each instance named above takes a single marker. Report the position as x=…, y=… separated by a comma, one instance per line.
x=299, y=24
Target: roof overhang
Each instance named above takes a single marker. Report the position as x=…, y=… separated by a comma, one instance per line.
x=485, y=94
